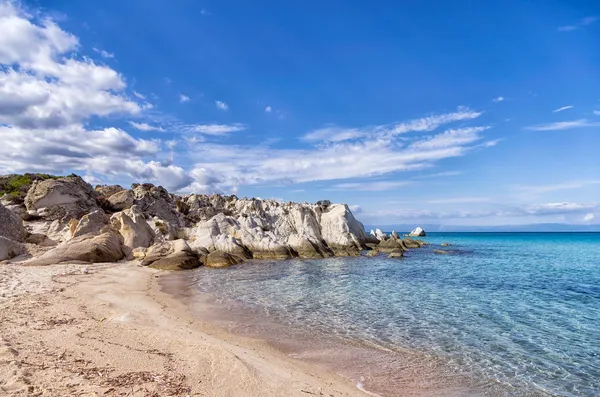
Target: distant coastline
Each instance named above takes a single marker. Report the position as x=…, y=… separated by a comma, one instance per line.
x=528, y=228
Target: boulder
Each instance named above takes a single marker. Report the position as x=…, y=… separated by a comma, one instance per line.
x=307, y=248
x=11, y=225
x=132, y=226
x=410, y=243
x=89, y=248
x=155, y=201
x=156, y=252
x=446, y=245
x=391, y=245
x=396, y=254
x=341, y=231
x=381, y=236
x=417, y=232
x=61, y=199
x=182, y=260
x=10, y=249
x=171, y=255
x=105, y=191
x=222, y=259
x=373, y=252
x=395, y=235
x=445, y=252
x=121, y=200
x=93, y=223
x=371, y=239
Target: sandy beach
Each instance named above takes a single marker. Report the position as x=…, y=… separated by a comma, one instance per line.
x=112, y=332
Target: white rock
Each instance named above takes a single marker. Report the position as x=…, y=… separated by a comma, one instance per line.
x=134, y=229
x=417, y=232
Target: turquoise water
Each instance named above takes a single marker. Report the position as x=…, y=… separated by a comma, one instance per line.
x=522, y=309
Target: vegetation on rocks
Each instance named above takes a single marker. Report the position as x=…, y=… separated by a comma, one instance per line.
x=14, y=188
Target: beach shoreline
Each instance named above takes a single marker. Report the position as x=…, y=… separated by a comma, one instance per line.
x=375, y=368
x=112, y=331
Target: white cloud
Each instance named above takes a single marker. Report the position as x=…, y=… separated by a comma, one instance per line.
x=582, y=22
x=460, y=200
x=430, y=123
x=589, y=217
x=498, y=99
x=335, y=134
x=184, y=98
x=214, y=129
x=563, y=108
x=563, y=125
x=558, y=208
x=438, y=175
x=47, y=95
x=139, y=96
x=450, y=138
x=145, y=127
x=44, y=85
x=103, y=53
x=597, y=112
x=268, y=109
x=534, y=210
x=370, y=186
x=236, y=165
x=542, y=189
x=221, y=105
x=205, y=12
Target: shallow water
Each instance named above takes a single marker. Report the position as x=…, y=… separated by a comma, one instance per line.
x=506, y=314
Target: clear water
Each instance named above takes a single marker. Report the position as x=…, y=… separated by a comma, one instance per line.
x=520, y=308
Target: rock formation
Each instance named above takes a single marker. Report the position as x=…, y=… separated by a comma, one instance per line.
x=12, y=234
x=417, y=232
x=64, y=219
x=11, y=226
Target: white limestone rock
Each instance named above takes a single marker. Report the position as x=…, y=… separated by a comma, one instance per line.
x=380, y=235
x=61, y=199
x=93, y=223
x=417, y=232
x=89, y=248
x=132, y=226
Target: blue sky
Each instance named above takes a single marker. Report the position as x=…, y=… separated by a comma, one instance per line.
x=469, y=113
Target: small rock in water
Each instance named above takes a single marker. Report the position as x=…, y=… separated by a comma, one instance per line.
x=446, y=245
x=85, y=270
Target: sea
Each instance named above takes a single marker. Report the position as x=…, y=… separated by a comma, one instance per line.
x=498, y=314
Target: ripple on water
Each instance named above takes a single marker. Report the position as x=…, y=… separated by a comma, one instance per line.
x=512, y=313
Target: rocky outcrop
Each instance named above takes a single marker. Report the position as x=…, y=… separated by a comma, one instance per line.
x=61, y=199
x=11, y=226
x=121, y=200
x=143, y=222
x=410, y=243
x=89, y=248
x=418, y=232
x=132, y=226
x=175, y=255
x=93, y=223
x=222, y=259
x=341, y=231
